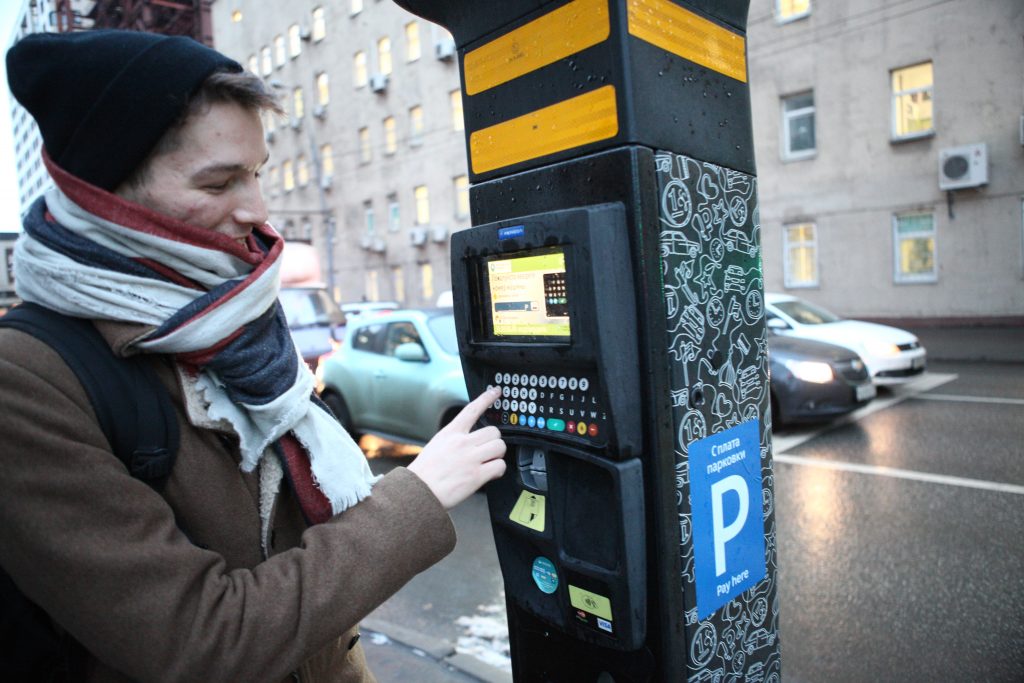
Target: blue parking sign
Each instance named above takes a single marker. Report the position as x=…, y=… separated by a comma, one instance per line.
x=728, y=522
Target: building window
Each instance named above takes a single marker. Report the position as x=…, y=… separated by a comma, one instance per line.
x=372, y=286
x=359, y=69
x=327, y=160
x=800, y=257
x=912, y=101
x=302, y=170
x=254, y=65
x=266, y=63
x=298, y=103
x=368, y=217
x=427, y=281
x=273, y=180
x=416, y=125
x=269, y=121
x=398, y=282
x=455, y=97
x=914, y=242
x=422, y=205
x=279, y=55
x=788, y=10
x=394, y=214
x=323, y=89
x=319, y=25
x=461, y=184
x=384, y=55
x=390, y=136
x=289, y=176
x=798, y=140
x=412, y=42
x=365, y=150
x=355, y=7
x=236, y=16
x=294, y=41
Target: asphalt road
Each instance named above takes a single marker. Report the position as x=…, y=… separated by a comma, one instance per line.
x=900, y=536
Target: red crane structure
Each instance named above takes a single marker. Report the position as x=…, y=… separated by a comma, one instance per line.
x=170, y=17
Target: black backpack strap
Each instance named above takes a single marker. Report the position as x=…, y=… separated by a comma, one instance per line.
x=132, y=406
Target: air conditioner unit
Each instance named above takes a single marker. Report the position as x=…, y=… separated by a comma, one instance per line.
x=268, y=136
x=417, y=237
x=379, y=82
x=327, y=181
x=964, y=166
x=444, y=50
x=305, y=33
x=295, y=123
x=439, y=233
x=366, y=242
x=320, y=111
x=379, y=245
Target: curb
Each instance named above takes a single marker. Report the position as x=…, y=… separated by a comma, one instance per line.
x=437, y=649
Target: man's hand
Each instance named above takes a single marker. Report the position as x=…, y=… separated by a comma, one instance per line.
x=457, y=462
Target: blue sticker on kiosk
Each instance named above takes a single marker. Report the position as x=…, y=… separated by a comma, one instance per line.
x=728, y=521
x=511, y=232
x=545, y=575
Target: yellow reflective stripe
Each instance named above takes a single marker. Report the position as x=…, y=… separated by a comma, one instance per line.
x=558, y=34
x=692, y=37
x=571, y=123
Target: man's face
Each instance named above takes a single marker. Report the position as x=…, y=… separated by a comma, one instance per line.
x=210, y=180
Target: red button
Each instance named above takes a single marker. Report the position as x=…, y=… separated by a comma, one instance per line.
x=570, y=427
x=593, y=429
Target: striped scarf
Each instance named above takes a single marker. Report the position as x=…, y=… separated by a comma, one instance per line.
x=213, y=303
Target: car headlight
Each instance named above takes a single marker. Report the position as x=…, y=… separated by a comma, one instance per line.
x=877, y=348
x=815, y=372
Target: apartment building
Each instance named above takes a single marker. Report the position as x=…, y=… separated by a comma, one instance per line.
x=889, y=143
x=888, y=139
x=369, y=163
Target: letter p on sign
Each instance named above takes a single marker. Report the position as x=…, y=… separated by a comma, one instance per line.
x=720, y=532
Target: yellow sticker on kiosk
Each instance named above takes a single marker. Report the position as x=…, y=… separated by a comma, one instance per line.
x=595, y=604
x=529, y=511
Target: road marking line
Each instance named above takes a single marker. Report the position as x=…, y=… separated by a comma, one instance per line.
x=902, y=474
x=927, y=382
x=972, y=399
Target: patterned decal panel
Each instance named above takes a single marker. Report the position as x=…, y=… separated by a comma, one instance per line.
x=717, y=345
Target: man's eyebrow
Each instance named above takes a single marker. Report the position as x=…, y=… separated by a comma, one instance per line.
x=213, y=169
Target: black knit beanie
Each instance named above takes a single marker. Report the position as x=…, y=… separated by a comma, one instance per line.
x=104, y=98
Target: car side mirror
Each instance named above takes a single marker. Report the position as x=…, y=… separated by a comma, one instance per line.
x=777, y=324
x=410, y=351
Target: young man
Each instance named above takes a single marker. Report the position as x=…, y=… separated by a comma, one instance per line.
x=271, y=538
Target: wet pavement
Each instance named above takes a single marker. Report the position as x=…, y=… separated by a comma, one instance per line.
x=900, y=537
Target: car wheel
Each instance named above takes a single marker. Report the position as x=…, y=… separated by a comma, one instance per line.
x=337, y=405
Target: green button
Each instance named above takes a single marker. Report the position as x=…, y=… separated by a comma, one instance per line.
x=556, y=425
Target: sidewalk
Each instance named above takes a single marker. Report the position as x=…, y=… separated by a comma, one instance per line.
x=397, y=654
x=993, y=344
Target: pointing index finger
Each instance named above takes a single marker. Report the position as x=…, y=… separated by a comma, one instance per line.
x=468, y=416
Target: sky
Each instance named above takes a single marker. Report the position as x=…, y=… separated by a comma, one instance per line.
x=9, y=219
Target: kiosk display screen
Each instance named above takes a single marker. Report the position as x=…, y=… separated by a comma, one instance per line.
x=527, y=295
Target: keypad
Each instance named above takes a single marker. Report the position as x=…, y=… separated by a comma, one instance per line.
x=567, y=405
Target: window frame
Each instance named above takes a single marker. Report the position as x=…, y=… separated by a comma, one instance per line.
x=895, y=96
x=394, y=213
x=897, y=239
x=422, y=210
x=319, y=30
x=787, y=153
x=785, y=19
x=390, y=127
x=385, y=59
x=322, y=82
x=365, y=145
x=360, y=69
x=417, y=125
x=787, y=246
x=294, y=41
x=460, y=187
x=413, y=38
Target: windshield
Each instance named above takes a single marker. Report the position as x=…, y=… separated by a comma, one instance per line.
x=309, y=307
x=806, y=313
x=443, y=327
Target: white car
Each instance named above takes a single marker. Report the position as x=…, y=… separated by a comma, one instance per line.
x=892, y=355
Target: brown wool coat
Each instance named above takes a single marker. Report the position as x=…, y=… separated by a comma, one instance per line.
x=109, y=559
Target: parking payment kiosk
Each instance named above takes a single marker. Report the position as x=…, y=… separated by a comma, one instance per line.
x=611, y=286
x=569, y=515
